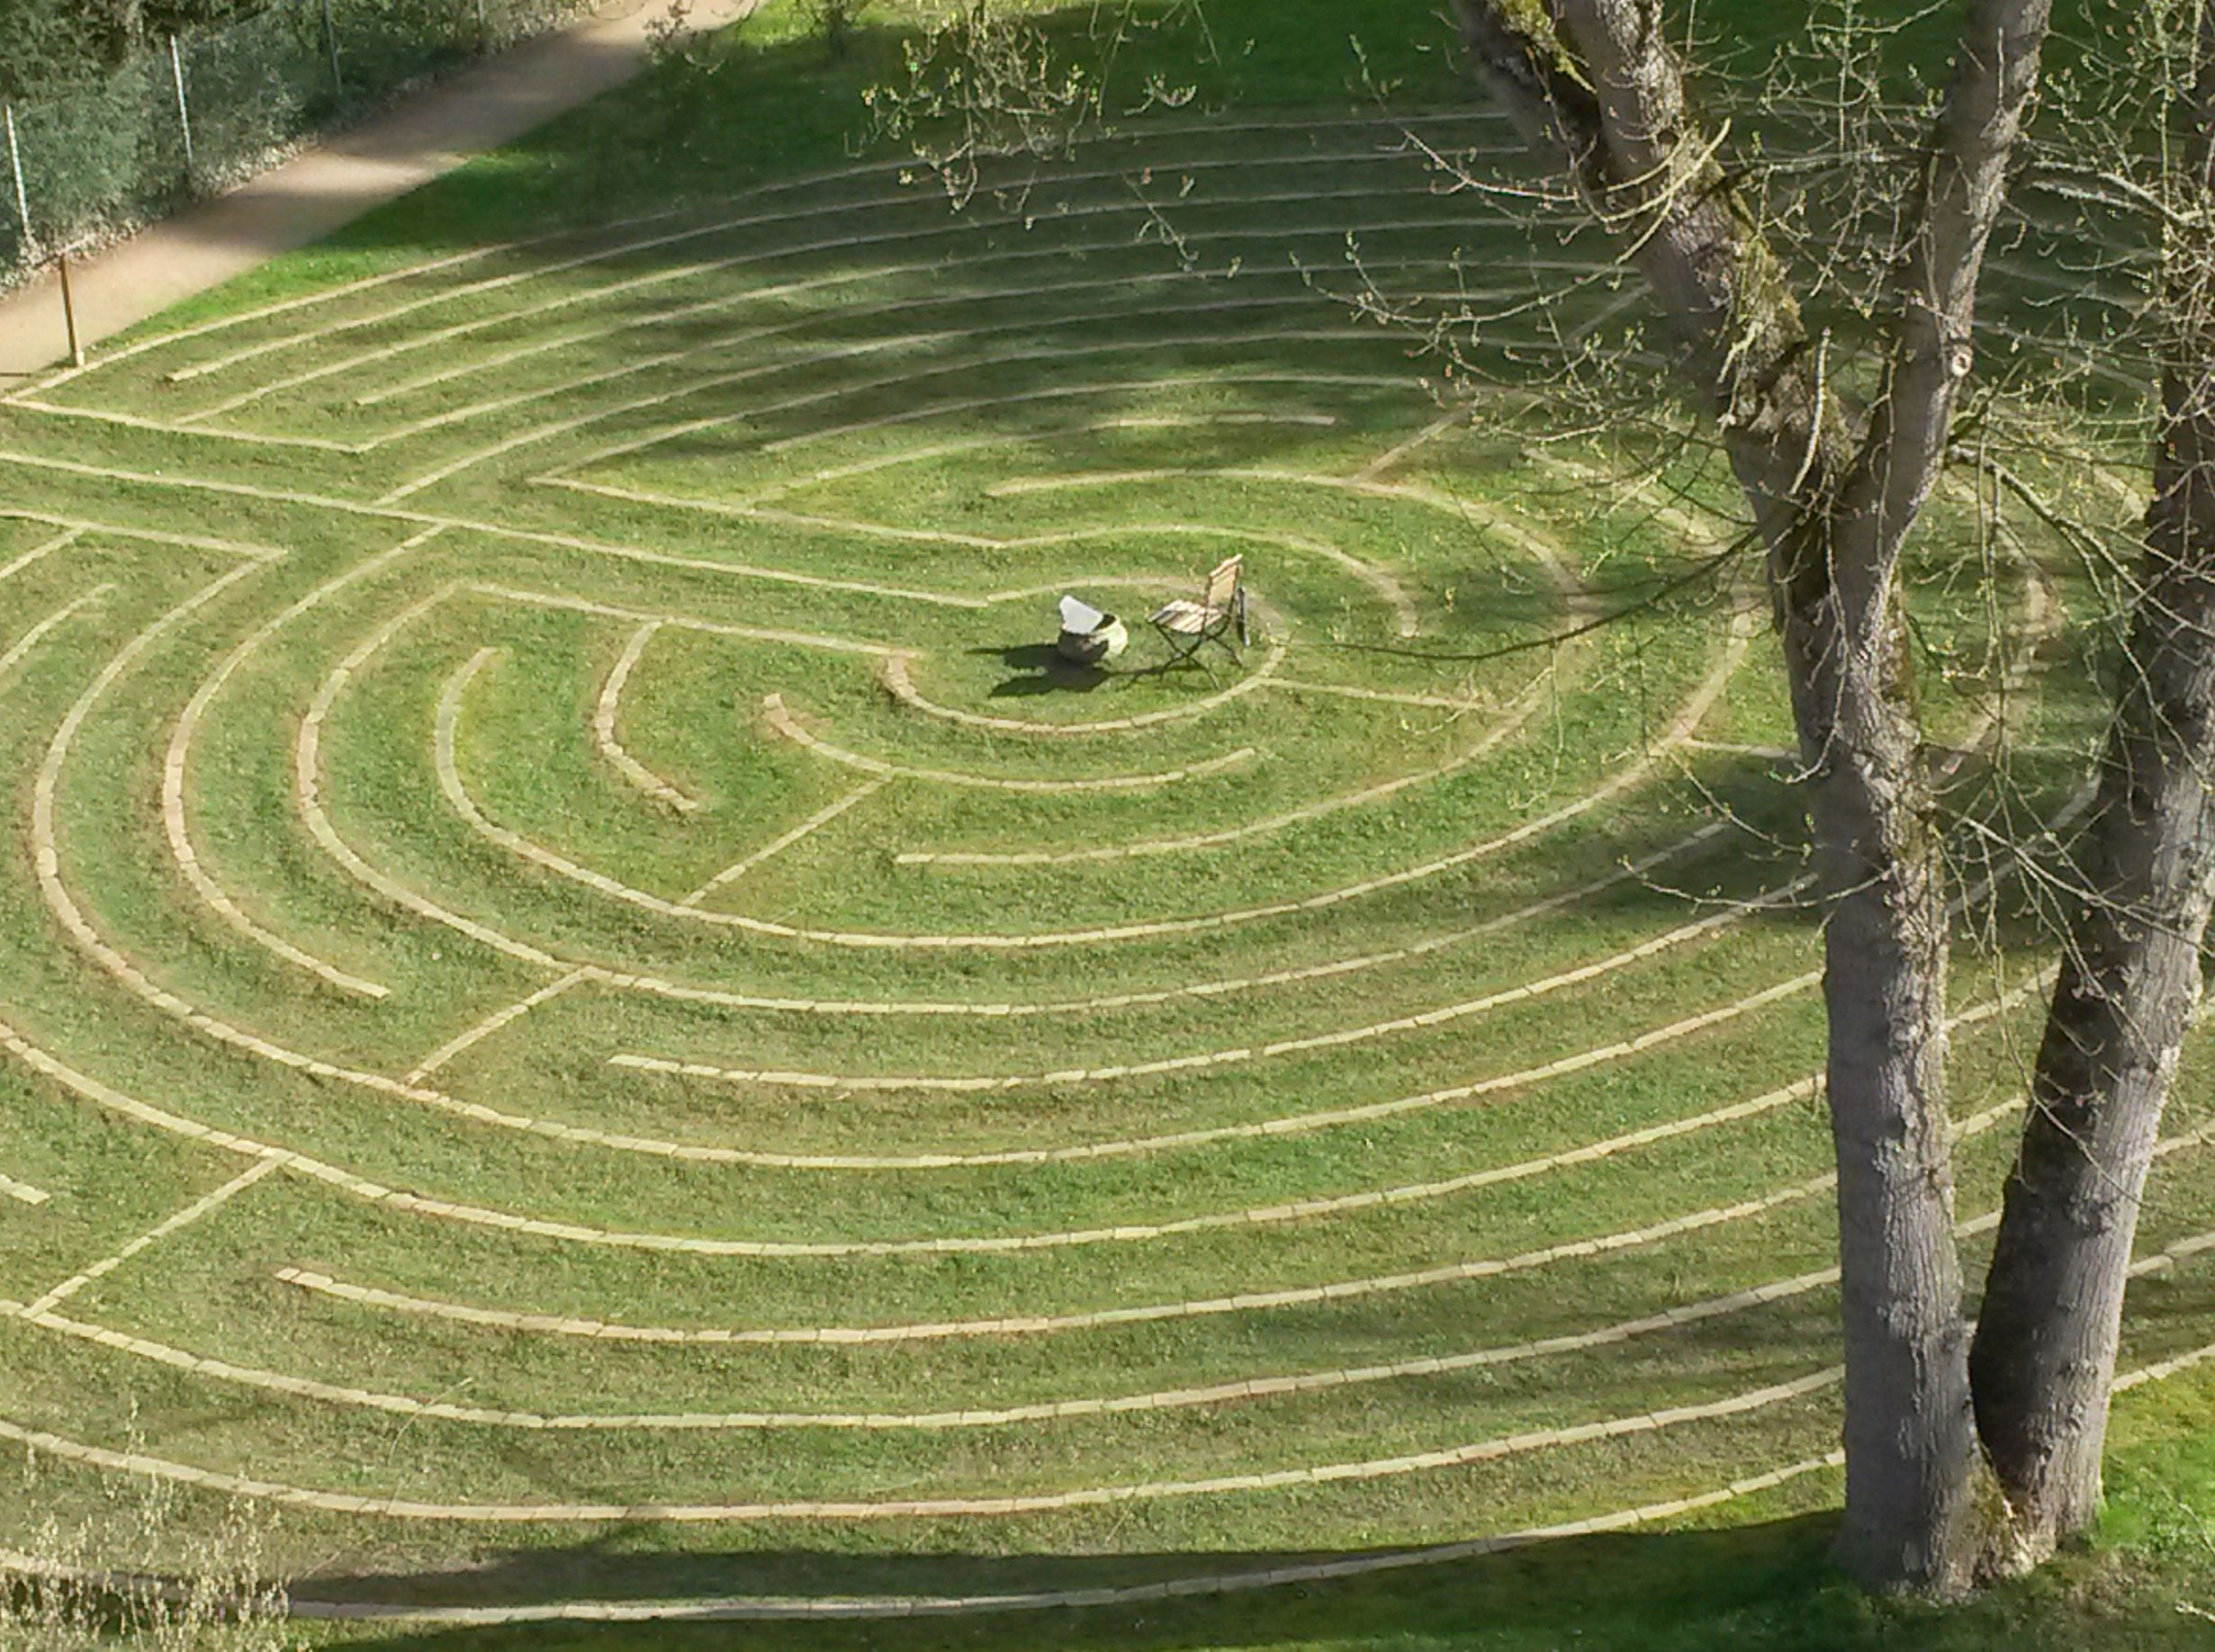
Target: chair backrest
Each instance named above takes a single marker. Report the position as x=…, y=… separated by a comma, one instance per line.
x=1223, y=584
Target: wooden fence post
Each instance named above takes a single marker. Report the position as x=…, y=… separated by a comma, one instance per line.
x=69, y=311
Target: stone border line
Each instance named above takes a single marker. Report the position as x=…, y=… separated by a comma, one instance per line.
x=115, y=1100
x=124, y=970
x=62, y=541
x=908, y=416
x=679, y=622
x=1520, y=710
x=699, y=232
x=611, y=748
x=783, y=841
x=876, y=1162
x=162, y=427
x=170, y=480
x=1238, y=1055
x=16, y=652
x=783, y=723
x=1045, y=433
x=1230, y=1392
x=1694, y=710
x=1121, y=1001
x=1462, y=1272
x=755, y=332
x=76, y=528
x=204, y=1205
x=1201, y=1585
x=723, y=343
x=848, y=1509
x=923, y=1508
x=1733, y=747
x=1031, y=1324
x=1376, y=469
x=22, y=1192
x=846, y=1608
x=479, y=1031
x=175, y=779
x=901, y=684
x=129, y=974
x=801, y=185
x=1386, y=697
x=1213, y=1394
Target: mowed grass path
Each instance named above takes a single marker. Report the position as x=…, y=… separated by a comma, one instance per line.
x=573, y=969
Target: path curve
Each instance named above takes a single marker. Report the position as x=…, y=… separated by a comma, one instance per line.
x=305, y=199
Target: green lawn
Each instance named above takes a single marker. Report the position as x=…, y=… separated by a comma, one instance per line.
x=590, y=1018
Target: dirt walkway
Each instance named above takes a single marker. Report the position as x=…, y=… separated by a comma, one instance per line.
x=315, y=193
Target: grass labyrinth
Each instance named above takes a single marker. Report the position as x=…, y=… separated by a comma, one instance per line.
x=556, y=888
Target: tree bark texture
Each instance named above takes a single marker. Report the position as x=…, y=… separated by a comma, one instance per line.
x=2046, y=1345
x=1595, y=85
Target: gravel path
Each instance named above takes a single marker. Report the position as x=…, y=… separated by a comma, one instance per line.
x=324, y=188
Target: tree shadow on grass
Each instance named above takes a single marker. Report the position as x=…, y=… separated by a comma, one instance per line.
x=1765, y=1587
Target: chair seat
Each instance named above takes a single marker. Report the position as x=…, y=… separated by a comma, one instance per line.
x=1183, y=616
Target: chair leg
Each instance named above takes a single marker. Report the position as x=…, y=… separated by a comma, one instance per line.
x=1186, y=648
x=1181, y=647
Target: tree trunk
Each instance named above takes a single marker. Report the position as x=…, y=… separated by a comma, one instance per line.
x=1595, y=85
x=1911, y=1517
x=1912, y=1521
x=2045, y=1348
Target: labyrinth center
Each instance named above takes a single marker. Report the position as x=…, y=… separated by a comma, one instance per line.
x=559, y=893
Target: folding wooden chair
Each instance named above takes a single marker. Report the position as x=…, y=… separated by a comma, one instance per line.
x=1188, y=626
